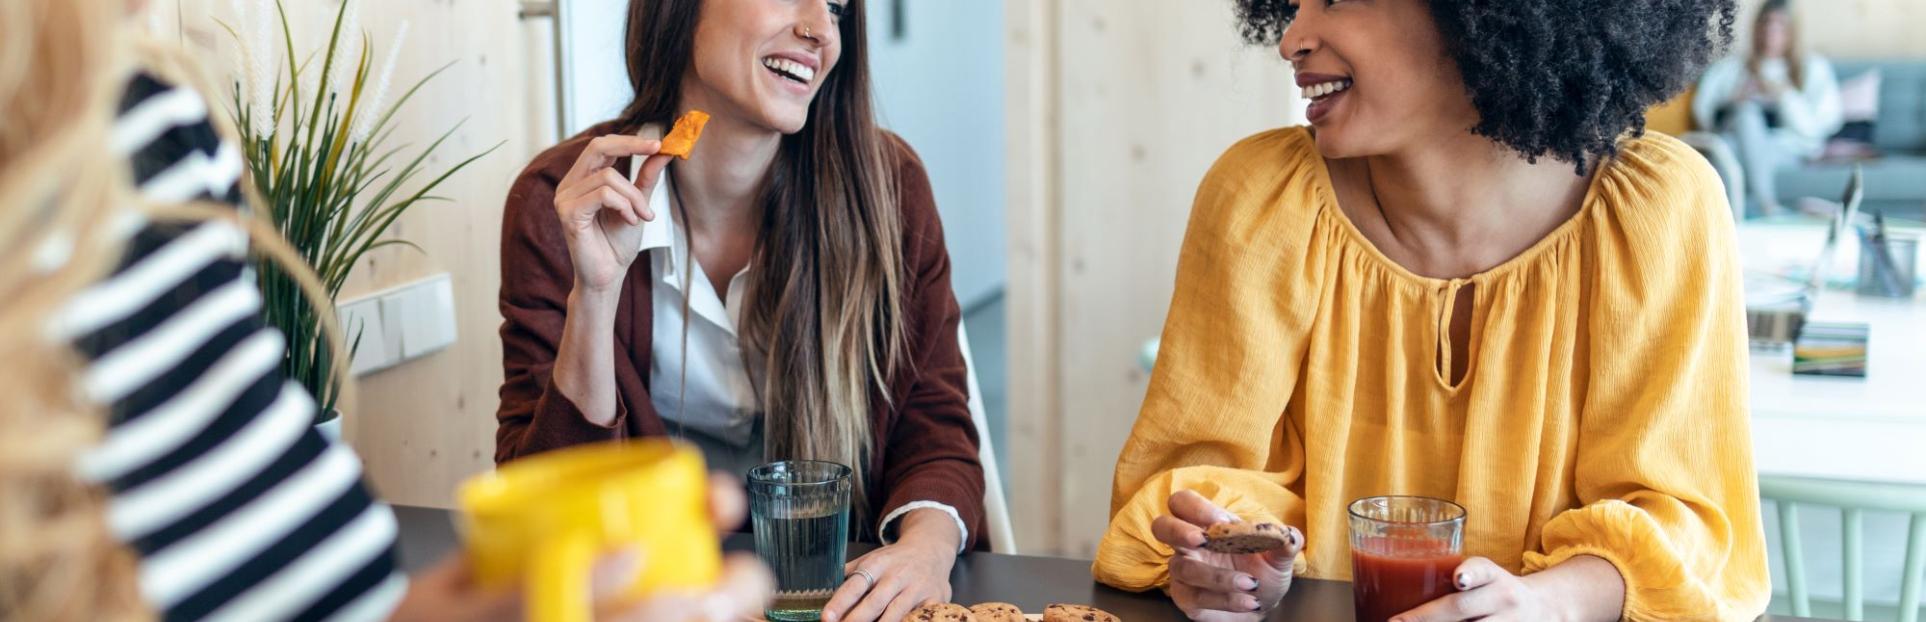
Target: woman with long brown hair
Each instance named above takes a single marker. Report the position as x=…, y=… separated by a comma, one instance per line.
x=154, y=461
x=1776, y=104
x=782, y=294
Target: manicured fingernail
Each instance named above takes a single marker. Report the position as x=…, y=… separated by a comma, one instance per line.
x=1463, y=583
x=1247, y=583
x=1226, y=517
x=1254, y=606
x=1197, y=540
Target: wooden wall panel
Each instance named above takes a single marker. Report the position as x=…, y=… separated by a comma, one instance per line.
x=1035, y=421
x=1132, y=103
x=1151, y=95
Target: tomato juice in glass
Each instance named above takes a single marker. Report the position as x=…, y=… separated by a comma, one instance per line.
x=1403, y=553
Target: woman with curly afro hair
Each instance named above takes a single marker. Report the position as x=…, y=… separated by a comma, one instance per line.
x=1472, y=277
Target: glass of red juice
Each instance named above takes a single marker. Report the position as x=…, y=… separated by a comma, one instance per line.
x=1403, y=553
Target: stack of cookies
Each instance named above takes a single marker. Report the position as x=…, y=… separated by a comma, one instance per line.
x=1005, y=612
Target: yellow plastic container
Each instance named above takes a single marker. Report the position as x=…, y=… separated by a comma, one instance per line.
x=542, y=523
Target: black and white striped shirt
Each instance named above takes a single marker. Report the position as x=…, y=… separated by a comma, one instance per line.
x=238, y=508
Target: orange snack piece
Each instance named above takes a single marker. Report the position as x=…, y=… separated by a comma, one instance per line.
x=682, y=138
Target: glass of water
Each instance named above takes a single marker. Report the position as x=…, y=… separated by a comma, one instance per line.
x=800, y=510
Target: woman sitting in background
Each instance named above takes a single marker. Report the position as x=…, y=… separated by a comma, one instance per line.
x=1470, y=279
x=1776, y=105
x=154, y=461
x=784, y=293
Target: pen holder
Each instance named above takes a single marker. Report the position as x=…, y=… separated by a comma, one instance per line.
x=1888, y=268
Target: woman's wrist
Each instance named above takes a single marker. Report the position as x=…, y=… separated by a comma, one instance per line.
x=584, y=360
x=590, y=311
x=931, y=528
x=1588, y=587
x=597, y=297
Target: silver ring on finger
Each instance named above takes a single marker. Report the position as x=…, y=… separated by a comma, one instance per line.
x=868, y=578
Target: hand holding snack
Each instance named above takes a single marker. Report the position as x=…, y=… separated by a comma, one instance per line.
x=1224, y=568
x=602, y=211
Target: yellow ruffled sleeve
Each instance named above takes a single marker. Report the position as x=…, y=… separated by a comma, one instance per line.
x=1664, y=477
x=1231, y=348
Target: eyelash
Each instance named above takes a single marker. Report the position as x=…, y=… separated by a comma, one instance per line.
x=837, y=10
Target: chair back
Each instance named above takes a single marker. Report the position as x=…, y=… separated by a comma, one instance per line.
x=1852, y=500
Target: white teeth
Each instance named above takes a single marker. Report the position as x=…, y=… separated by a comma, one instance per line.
x=1322, y=89
x=789, y=68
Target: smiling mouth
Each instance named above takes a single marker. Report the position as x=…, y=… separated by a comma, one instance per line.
x=1326, y=89
x=789, y=70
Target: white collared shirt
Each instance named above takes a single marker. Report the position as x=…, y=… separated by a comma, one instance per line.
x=717, y=397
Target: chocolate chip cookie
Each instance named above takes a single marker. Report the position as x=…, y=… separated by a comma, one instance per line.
x=1245, y=538
x=1076, y=613
x=940, y=612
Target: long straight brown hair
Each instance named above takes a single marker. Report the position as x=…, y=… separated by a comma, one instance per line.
x=1795, y=50
x=823, y=308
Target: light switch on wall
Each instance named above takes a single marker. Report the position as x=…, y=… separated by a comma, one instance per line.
x=375, y=350
x=401, y=323
x=428, y=316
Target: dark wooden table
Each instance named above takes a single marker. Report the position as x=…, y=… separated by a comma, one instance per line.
x=1027, y=582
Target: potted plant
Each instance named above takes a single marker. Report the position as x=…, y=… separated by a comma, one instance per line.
x=314, y=131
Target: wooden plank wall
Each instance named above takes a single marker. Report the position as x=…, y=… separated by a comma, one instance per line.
x=1122, y=107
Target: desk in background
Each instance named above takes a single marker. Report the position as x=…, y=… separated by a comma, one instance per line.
x=1867, y=429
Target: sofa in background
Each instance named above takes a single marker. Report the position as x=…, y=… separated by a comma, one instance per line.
x=1895, y=179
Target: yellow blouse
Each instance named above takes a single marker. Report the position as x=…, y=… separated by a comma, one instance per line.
x=1602, y=412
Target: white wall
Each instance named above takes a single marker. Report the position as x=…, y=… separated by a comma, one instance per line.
x=940, y=86
x=597, y=79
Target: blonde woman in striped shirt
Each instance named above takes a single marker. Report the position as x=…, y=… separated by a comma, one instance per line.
x=156, y=463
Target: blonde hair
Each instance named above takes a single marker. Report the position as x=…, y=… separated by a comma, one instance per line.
x=63, y=67
x=59, y=75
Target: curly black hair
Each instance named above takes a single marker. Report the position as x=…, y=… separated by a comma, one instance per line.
x=1559, y=78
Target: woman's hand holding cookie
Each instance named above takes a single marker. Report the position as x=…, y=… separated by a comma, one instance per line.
x=1242, y=584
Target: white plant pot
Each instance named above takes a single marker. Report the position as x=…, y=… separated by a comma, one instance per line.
x=331, y=429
